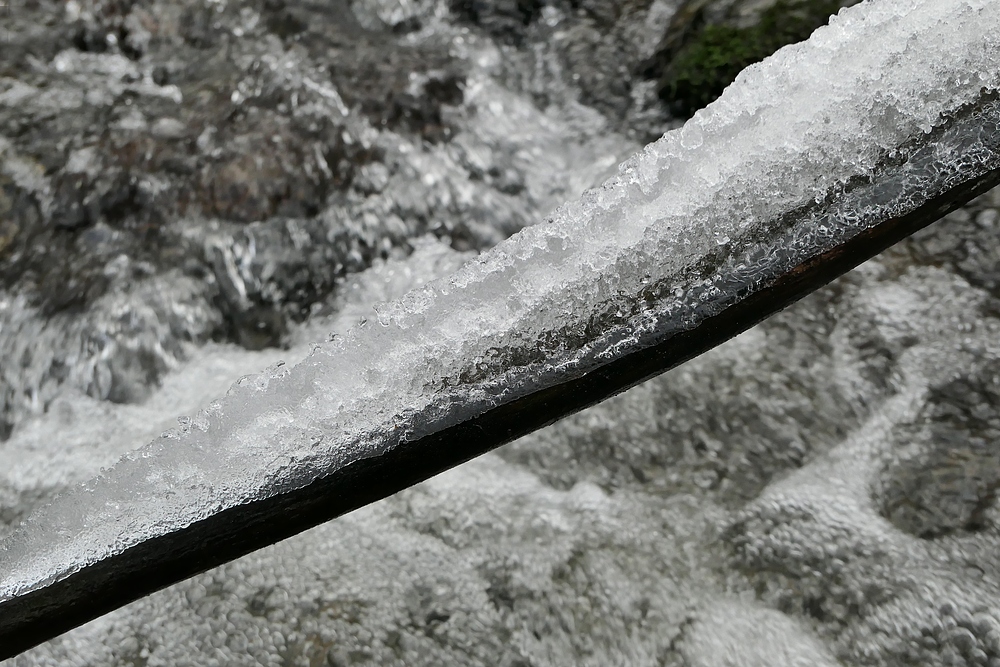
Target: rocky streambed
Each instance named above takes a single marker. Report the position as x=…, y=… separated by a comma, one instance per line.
x=190, y=191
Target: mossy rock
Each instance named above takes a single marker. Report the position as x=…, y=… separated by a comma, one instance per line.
x=709, y=42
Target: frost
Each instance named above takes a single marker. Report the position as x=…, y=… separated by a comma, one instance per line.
x=558, y=298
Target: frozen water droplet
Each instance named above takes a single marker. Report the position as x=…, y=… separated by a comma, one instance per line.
x=383, y=313
x=692, y=136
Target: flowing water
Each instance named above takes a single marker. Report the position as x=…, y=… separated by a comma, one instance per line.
x=784, y=499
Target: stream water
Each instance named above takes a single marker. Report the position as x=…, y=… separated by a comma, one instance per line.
x=820, y=489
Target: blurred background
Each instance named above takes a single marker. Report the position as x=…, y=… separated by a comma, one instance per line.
x=191, y=190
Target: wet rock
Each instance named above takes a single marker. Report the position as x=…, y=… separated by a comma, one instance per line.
x=316, y=137
x=965, y=244
x=947, y=473
x=35, y=31
x=506, y=20
x=200, y=26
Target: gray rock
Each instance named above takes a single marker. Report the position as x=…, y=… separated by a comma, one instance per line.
x=264, y=151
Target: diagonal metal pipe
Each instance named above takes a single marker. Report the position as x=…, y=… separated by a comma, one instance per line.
x=653, y=279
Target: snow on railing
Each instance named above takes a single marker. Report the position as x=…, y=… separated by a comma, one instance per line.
x=811, y=162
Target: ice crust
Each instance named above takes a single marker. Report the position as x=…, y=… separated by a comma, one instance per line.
x=791, y=131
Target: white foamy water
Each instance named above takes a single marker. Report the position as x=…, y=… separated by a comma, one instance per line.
x=81, y=435
x=789, y=132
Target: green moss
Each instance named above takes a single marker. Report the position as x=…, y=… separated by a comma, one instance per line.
x=709, y=61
